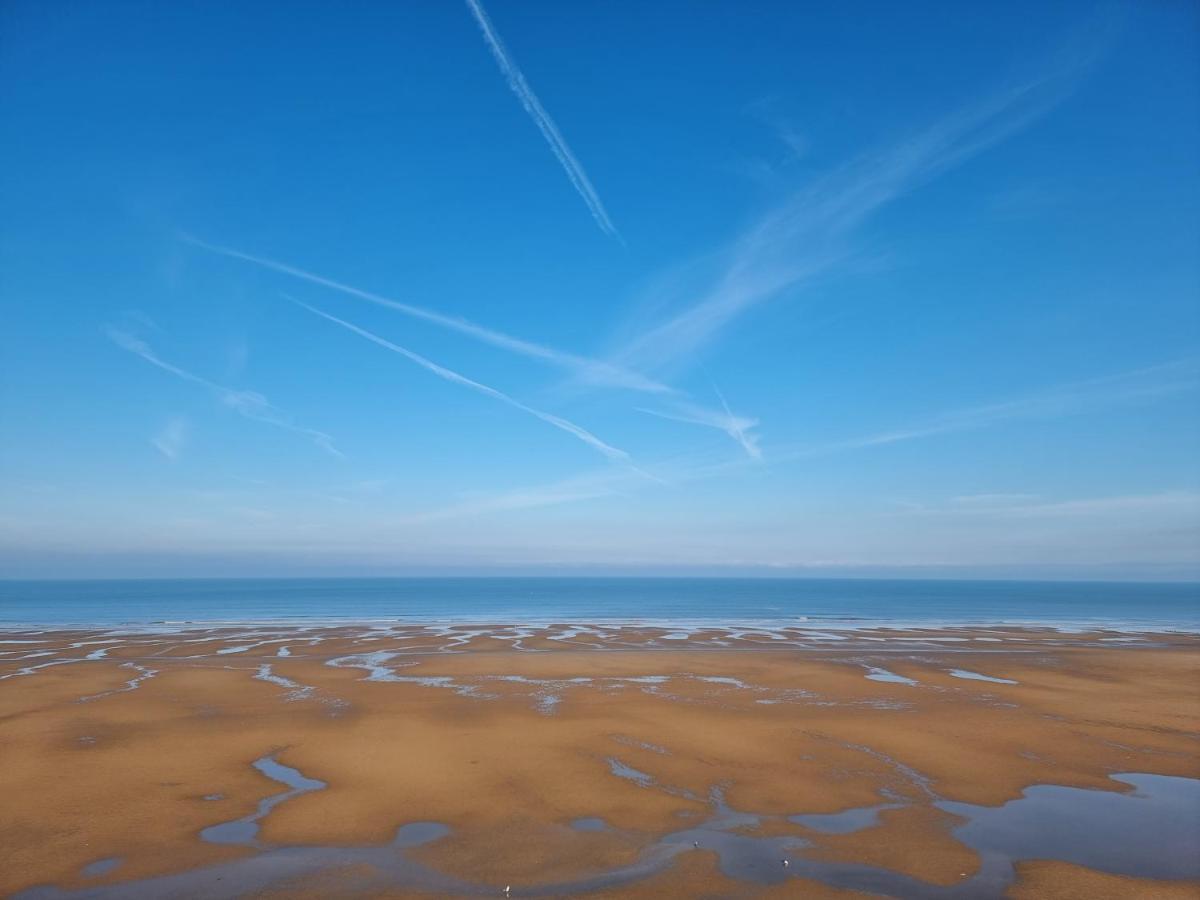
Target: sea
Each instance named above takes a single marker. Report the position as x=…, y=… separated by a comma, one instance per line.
x=827, y=603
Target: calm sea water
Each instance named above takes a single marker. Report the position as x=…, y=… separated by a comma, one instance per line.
x=535, y=600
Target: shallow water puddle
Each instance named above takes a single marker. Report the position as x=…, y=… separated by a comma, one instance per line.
x=296, y=691
x=245, y=830
x=975, y=676
x=100, y=867
x=643, y=745
x=845, y=822
x=589, y=823
x=414, y=834
x=629, y=773
x=373, y=663
x=1149, y=832
x=874, y=673
x=143, y=674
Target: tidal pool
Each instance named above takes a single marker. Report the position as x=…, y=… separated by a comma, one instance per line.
x=1151, y=831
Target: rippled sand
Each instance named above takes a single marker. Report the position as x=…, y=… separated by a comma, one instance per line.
x=462, y=759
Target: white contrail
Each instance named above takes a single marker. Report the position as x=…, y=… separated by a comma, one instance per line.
x=449, y=375
x=589, y=370
x=541, y=118
x=250, y=404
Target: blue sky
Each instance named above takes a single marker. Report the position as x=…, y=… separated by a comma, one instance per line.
x=383, y=288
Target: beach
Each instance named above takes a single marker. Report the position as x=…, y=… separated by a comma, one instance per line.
x=558, y=450
x=607, y=759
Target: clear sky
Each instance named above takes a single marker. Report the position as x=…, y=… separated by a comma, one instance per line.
x=861, y=288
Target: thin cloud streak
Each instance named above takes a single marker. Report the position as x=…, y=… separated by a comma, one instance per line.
x=1064, y=400
x=1185, y=502
x=989, y=500
x=249, y=404
x=170, y=439
x=737, y=427
x=591, y=371
x=455, y=378
x=520, y=87
x=1068, y=399
x=571, y=490
x=810, y=234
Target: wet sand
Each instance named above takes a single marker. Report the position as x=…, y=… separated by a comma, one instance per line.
x=597, y=760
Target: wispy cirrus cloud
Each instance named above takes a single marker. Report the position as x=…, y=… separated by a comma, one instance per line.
x=1076, y=398
x=1183, y=502
x=590, y=486
x=249, y=404
x=558, y=145
x=1062, y=400
x=450, y=375
x=804, y=239
x=812, y=233
x=171, y=438
x=739, y=428
x=974, y=501
x=1026, y=506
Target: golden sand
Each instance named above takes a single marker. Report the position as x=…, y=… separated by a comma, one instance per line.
x=509, y=746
